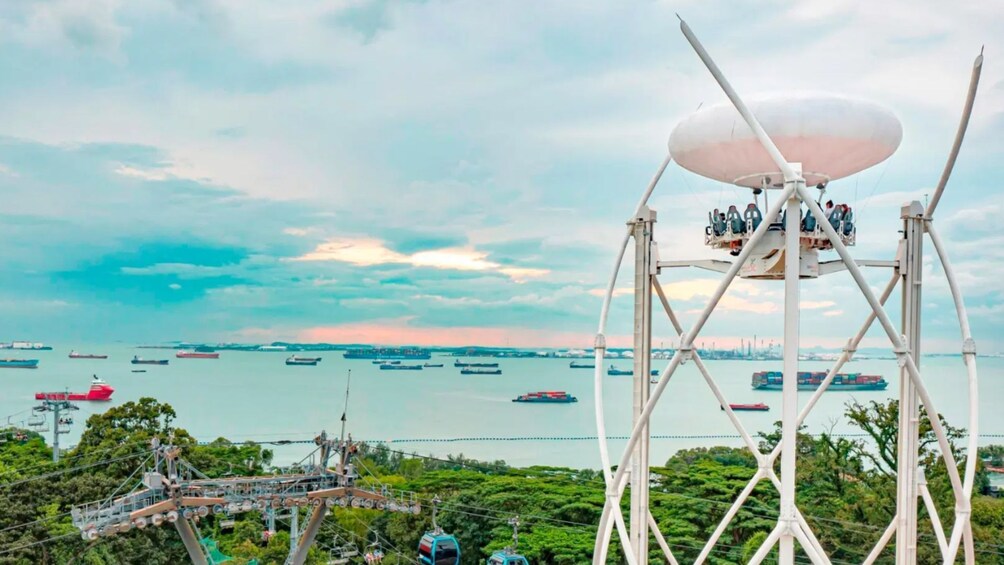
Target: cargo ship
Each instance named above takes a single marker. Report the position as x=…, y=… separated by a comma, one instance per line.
x=387, y=353
x=758, y=407
x=774, y=380
x=197, y=355
x=75, y=355
x=475, y=371
x=459, y=363
x=399, y=367
x=430, y=365
x=547, y=396
x=141, y=361
x=304, y=361
x=18, y=363
x=28, y=346
x=100, y=391
x=577, y=365
x=622, y=372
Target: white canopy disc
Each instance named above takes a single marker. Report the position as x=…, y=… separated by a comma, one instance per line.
x=831, y=136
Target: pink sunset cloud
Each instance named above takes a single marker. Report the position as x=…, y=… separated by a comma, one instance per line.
x=398, y=332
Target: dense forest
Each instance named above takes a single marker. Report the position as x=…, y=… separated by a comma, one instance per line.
x=846, y=492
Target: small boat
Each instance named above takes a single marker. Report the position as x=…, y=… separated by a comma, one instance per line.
x=578, y=365
x=75, y=355
x=399, y=367
x=100, y=391
x=758, y=407
x=459, y=363
x=197, y=355
x=141, y=361
x=139, y=370
x=305, y=361
x=19, y=363
x=619, y=372
x=470, y=371
x=547, y=396
x=430, y=365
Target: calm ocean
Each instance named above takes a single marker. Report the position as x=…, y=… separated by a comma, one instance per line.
x=253, y=395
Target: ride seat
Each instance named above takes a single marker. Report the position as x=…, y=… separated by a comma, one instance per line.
x=752, y=216
x=809, y=223
x=784, y=217
x=734, y=220
x=836, y=216
x=716, y=222
x=848, y=221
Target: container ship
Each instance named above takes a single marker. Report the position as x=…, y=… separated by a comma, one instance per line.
x=459, y=363
x=197, y=355
x=578, y=365
x=75, y=355
x=774, y=380
x=100, y=391
x=304, y=361
x=399, y=367
x=18, y=363
x=387, y=353
x=141, y=361
x=475, y=371
x=547, y=396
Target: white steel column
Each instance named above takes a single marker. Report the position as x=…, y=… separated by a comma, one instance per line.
x=789, y=411
x=642, y=233
x=911, y=267
x=191, y=542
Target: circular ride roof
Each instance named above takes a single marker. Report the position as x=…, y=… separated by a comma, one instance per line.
x=831, y=136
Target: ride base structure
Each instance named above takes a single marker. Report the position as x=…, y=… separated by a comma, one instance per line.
x=778, y=147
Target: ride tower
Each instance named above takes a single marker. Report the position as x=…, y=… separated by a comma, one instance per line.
x=779, y=147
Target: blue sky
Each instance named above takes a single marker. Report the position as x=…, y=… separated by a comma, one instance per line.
x=444, y=171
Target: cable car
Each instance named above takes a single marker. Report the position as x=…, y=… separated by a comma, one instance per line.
x=503, y=558
x=508, y=556
x=437, y=547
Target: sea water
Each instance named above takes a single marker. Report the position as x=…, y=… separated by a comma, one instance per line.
x=255, y=396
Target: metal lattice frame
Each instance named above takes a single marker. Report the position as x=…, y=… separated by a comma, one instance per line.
x=170, y=495
x=791, y=524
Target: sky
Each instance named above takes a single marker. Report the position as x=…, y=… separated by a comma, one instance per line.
x=450, y=172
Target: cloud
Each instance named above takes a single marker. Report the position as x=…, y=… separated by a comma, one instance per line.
x=815, y=304
x=366, y=252
x=145, y=174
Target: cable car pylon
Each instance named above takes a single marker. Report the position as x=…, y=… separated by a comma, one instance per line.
x=816, y=139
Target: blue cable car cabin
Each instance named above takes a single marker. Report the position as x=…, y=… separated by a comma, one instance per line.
x=506, y=558
x=438, y=549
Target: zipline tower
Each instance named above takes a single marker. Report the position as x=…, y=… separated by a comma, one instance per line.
x=60, y=422
x=174, y=492
x=778, y=147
